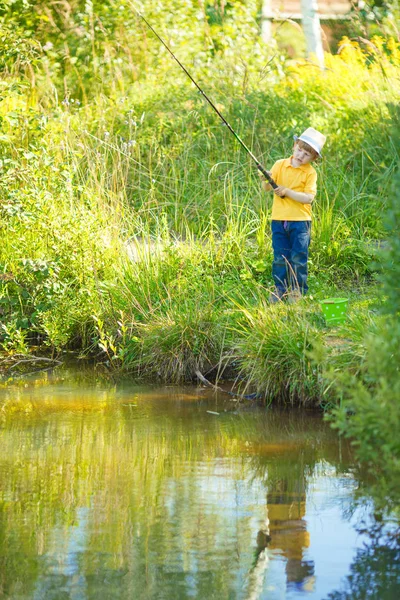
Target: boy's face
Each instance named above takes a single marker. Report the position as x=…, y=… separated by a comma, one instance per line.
x=302, y=156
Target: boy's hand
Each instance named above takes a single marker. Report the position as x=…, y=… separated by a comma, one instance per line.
x=280, y=191
x=261, y=176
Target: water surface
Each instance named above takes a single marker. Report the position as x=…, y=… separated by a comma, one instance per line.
x=117, y=491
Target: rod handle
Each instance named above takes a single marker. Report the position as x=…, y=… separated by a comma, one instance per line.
x=267, y=176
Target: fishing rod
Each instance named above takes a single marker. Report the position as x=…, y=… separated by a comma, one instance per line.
x=258, y=164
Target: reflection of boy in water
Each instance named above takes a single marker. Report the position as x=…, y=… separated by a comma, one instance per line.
x=288, y=531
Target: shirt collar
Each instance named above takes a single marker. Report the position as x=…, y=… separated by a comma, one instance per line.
x=301, y=167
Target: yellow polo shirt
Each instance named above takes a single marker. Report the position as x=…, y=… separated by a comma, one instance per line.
x=298, y=179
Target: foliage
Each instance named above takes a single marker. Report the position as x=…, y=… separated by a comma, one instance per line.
x=373, y=16
x=371, y=413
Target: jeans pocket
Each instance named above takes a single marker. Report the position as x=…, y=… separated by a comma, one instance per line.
x=277, y=227
x=302, y=227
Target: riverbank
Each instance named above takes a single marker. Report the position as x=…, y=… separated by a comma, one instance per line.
x=169, y=328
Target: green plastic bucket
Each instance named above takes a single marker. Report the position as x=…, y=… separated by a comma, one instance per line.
x=334, y=310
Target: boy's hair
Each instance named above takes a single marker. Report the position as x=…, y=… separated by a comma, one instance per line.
x=307, y=147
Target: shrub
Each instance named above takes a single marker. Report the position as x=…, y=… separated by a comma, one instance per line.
x=273, y=355
x=370, y=415
x=174, y=345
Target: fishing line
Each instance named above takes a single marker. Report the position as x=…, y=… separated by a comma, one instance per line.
x=249, y=152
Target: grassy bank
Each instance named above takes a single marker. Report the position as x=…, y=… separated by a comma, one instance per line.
x=134, y=227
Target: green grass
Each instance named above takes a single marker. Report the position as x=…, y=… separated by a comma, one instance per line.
x=107, y=142
x=272, y=352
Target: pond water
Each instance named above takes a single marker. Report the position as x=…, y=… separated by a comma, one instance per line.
x=117, y=491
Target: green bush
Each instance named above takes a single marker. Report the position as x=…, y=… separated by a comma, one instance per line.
x=272, y=353
x=174, y=345
x=370, y=415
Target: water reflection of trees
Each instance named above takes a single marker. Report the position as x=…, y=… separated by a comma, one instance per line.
x=118, y=496
x=375, y=571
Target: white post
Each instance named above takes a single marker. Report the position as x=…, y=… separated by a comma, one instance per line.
x=266, y=27
x=312, y=29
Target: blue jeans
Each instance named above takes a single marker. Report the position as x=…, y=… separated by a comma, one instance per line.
x=290, y=242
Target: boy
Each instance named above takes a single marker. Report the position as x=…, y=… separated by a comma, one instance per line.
x=291, y=215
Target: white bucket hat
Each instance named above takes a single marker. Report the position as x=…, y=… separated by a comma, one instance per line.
x=313, y=138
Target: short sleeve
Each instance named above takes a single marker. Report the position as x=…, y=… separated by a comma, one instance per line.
x=311, y=183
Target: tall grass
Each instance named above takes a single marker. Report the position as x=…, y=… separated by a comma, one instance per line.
x=107, y=147
x=273, y=353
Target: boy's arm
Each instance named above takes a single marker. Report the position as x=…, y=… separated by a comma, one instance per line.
x=301, y=197
x=305, y=197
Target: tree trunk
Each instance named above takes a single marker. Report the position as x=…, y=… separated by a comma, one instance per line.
x=266, y=21
x=312, y=29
